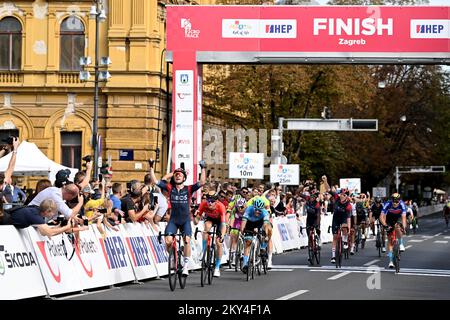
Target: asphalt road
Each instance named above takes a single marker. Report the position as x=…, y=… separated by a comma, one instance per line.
x=424, y=274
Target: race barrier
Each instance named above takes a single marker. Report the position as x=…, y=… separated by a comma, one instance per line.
x=32, y=265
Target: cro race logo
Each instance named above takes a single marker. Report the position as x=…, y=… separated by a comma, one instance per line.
x=55, y=250
x=114, y=252
x=86, y=247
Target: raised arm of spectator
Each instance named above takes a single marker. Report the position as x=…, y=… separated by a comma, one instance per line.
x=87, y=178
x=202, y=164
x=12, y=162
x=151, y=170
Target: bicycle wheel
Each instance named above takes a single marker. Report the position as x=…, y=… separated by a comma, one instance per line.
x=258, y=257
x=181, y=276
x=204, y=270
x=250, y=263
x=173, y=269
x=237, y=256
x=338, y=252
x=211, y=264
x=316, y=250
x=310, y=250
x=396, y=254
x=378, y=243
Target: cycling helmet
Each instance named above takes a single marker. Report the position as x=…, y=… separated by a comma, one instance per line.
x=240, y=203
x=258, y=204
x=211, y=196
x=395, y=196
x=182, y=171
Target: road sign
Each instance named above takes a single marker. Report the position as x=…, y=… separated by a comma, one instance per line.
x=285, y=174
x=246, y=165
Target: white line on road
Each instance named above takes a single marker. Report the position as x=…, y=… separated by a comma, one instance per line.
x=446, y=237
x=340, y=275
x=428, y=237
x=441, y=241
x=293, y=294
x=407, y=247
x=371, y=262
x=281, y=270
x=438, y=234
x=415, y=240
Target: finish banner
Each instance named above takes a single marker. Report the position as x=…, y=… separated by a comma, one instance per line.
x=309, y=29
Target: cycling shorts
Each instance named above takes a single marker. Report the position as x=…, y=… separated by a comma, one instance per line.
x=337, y=221
x=185, y=228
x=250, y=226
x=392, y=219
x=215, y=222
x=361, y=218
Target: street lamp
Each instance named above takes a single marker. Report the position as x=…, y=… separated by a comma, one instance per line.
x=98, y=13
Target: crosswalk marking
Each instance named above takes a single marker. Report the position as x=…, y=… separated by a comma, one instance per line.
x=293, y=294
x=340, y=275
x=446, y=237
x=371, y=262
x=441, y=241
x=415, y=240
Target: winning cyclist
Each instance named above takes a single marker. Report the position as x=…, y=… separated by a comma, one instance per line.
x=255, y=216
x=374, y=214
x=312, y=208
x=341, y=216
x=214, y=213
x=179, y=198
x=394, y=211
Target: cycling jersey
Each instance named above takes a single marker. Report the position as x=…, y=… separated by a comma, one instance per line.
x=219, y=211
x=312, y=209
x=342, y=212
x=376, y=210
x=180, y=200
x=250, y=215
x=394, y=215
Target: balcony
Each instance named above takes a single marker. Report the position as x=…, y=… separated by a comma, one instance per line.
x=11, y=77
x=69, y=78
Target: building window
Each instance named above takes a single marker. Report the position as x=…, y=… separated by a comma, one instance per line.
x=71, y=149
x=10, y=44
x=72, y=44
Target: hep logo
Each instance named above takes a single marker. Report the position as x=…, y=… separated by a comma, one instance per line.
x=429, y=28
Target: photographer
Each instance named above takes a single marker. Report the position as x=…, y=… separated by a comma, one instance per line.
x=35, y=216
x=130, y=203
x=6, y=177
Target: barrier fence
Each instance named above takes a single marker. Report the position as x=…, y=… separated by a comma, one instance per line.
x=32, y=265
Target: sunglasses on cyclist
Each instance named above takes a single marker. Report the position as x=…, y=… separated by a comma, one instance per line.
x=210, y=200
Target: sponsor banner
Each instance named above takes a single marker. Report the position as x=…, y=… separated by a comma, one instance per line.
x=196, y=246
x=287, y=229
x=59, y=273
x=19, y=267
x=139, y=251
x=430, y=29
x=352, y=184
x=114, y=250
x=285, y=174
x=379, y=192
x=325, y=222
x=89, y=261
x=259, y=28
x=319, y=29
x=246, y=165
x=158, y=250
x=184, y=122
x=303, y=236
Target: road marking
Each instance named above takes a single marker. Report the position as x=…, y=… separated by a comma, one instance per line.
x=441, y=241
x=415, y=240
x=407, y=247
x=438, y=234
x=371, y=262
x=428, y=237
x=340, y=275
x=446, y=237
x=273, y=269
x=293, y=294
x=370, y=239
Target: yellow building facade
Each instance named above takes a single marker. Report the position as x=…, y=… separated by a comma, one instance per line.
x=43, y=99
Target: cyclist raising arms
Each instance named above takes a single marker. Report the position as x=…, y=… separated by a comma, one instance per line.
x=312, y=208
x=214, y=213
x=341, y=216
x=255, y=217
x=392, y=212
x=179, y=198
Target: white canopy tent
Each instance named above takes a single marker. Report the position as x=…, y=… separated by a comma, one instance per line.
x=30, y=161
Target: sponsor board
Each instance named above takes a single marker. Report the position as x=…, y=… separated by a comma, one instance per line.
x=285, y=174
x=259, y=28
x=246, y=165
x=352, y=184
x=430, y=29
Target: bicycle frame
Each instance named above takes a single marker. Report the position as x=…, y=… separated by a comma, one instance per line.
x=177, y=251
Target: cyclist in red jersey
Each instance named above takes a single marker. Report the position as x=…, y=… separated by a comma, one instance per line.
x=214, y=213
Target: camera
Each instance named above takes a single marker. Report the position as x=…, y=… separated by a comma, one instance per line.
x=85, y=222
x=102, y=210
x=9, y=140
x=61, y=220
